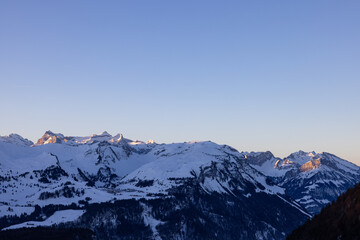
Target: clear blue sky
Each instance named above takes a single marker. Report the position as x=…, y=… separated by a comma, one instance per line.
x=257, y=75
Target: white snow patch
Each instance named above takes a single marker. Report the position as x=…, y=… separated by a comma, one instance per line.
x=58, y=217
x=294, y=206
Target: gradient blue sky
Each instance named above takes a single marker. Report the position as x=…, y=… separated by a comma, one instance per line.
x=257, y=75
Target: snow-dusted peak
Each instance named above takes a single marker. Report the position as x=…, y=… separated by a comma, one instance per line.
x=105, y=133
x=16, y=139
x=50, y=137
x=307, y=161
x=54, y=134
x=301, y=157
x=298, y=153
x=117, y=138
x=300, y=161
x=104, y=136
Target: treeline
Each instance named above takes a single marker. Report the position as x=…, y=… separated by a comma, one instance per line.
x=45, y=233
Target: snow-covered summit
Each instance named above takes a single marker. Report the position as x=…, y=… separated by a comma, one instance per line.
x=16, y=139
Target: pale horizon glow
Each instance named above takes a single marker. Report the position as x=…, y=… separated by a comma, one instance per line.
x=279, y=76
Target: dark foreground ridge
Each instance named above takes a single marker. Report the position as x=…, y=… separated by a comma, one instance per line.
x=339, y=220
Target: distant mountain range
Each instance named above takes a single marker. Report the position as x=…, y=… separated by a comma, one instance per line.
x=133, y=189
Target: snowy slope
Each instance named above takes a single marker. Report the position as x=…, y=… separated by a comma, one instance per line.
x=103, y=168
x=16, y=139
x=58, y=217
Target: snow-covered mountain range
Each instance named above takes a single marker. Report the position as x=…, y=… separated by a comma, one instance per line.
x=241, y=194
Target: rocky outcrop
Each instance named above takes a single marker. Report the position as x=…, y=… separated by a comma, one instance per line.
x=310, y=165
x=50, y=137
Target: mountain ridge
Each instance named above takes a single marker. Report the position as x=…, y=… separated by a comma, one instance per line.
x=102, y=168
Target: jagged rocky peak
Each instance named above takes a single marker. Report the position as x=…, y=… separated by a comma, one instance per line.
x=16, y=139
x=310, y=165
x=299, y=158
x=258, y=158
x=307, y=161
x=105, y=136
x=117, y=138
x=296, y=159
x=50, y=137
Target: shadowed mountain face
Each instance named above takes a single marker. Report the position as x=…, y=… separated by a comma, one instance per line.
x=42, y=233
x=339, y=220
x=134, y=189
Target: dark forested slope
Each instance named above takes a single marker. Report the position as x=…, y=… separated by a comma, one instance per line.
x=339, y=220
